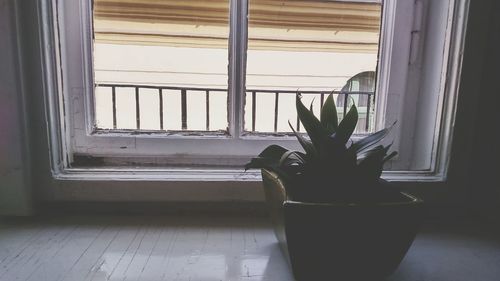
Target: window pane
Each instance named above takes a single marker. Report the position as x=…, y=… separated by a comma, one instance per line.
x=149, y=109
x=313, y=47
x=125, y=109
x=104, y=108
x=168, y=45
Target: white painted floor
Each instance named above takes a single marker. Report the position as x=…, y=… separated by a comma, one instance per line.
x=207, y=248
x=140, y=248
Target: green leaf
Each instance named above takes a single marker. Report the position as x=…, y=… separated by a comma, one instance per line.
x=260, y=162
x=329, y=118
x=303, y=156
x=291, y=155
x=269, y=164
x=290, y=161
x=371, y=166
x=370, y=140
x=390, y=156
x=347, y=125
x=271, y=155
x=379, y=149
x=306, y=144
x=312, y=125
x=273, y=151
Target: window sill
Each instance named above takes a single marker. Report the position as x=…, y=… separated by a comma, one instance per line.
x=210, y=175
x=183, y=185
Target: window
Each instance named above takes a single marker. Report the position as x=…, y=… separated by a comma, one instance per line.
x=162, y=66
x=310, y=47
x=208, y=84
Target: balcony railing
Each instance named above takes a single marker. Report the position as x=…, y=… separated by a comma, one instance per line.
x=365, y=103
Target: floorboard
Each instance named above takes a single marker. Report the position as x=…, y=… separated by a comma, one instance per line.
x=204, y=248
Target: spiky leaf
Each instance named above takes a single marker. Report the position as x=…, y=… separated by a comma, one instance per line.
x=374, y=150
x=370, y=140
x=273, y=151
x=271, y=155
x=306, y=144
x=390, y=156
x=312, y=125
x=347, y=125
x=371, y=166
x=329, y=118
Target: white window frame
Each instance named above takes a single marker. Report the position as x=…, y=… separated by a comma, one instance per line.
x=67, y=91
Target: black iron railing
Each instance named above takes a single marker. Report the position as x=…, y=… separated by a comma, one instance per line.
x=366, y=99
x=342, y=100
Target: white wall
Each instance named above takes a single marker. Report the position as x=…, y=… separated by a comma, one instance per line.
x=207, y=68
x=15, y=186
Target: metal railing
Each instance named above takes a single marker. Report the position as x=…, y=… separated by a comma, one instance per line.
x=342, y=101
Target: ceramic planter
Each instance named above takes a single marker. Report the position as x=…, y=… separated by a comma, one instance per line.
x=324, y=241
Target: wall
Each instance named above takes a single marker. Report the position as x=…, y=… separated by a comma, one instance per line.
x=473, y=185
x=15, y=182
x=484, y=184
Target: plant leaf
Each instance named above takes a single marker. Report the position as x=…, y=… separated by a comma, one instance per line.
x=390, y=156
x=370, y=140
x=269, y=164
x=302, y=155
x=376, y=149
x=312, y=125
x=371, y=166
x=329, y=118
x=289, y=155
x=306, y=144
x=273, y=151
x=259, y=163
x=347, y=125
x=270, y=155
x=291, y=162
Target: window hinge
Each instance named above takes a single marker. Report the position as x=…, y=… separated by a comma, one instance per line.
x=415, y=31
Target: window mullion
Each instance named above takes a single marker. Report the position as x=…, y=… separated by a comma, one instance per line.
x=237, y=65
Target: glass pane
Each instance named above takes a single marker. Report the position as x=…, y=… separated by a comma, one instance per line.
x=125, y=109
x=178, y=48
x=314, y=47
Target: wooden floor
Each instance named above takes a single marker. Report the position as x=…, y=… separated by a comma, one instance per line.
x=207, y=248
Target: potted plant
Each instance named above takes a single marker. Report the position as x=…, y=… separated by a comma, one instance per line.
x=332, y=214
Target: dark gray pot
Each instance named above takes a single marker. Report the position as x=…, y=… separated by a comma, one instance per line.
x=327, y=241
